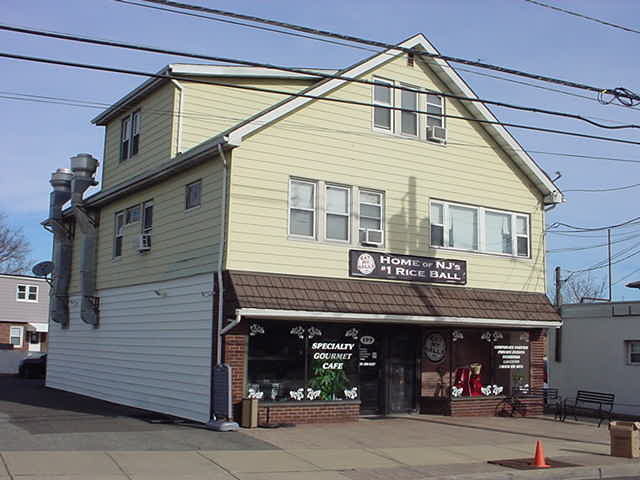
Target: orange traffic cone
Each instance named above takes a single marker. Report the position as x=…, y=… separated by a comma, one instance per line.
x=538, y=459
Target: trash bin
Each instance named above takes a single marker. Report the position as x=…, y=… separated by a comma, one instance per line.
x=249, y=413
x=625, y=439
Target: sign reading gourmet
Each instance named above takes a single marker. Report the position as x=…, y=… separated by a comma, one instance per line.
x=391, y=266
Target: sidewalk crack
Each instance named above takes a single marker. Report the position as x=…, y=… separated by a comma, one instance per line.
x=118, y=465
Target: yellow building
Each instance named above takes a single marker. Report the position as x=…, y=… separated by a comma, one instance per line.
x=359, y=241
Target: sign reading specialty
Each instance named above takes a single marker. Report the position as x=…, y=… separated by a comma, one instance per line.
x=391, y=266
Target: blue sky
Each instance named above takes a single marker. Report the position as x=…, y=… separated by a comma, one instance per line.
x=37, y=138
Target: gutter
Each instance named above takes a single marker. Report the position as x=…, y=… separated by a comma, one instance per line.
x=266, y=313
x=180, y=107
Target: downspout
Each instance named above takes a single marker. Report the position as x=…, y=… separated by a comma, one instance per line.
x=221, y=250
x=180, y=107
x=84, y=167
x=62, y=246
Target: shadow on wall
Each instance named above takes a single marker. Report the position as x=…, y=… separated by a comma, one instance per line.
x=408, y=230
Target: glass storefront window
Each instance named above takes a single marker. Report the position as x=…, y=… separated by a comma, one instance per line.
x=301, y=362
x=276, y=361
x=490, y=362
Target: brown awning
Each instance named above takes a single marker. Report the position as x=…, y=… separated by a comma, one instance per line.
x=248, y=290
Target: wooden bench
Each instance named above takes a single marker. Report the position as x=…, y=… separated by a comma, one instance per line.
x=550, y=397
x=604, y=401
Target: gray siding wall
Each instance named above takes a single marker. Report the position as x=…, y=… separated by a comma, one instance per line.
x=152, y=349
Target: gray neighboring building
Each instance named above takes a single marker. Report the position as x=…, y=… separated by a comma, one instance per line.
x=600, y=351
x=24, y=324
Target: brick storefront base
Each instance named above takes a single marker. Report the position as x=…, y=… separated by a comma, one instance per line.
x=484, y=407
x=318, y=413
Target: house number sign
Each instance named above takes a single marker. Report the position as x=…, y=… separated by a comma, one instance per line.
x=390, y=266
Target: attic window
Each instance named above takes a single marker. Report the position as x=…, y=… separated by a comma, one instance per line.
x=411, y=60
x=130, y=136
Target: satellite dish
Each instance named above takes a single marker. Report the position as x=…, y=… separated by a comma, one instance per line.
x=42, y=269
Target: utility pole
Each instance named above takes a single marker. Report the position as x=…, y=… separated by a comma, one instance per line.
x=609, y=245
x=558, y=302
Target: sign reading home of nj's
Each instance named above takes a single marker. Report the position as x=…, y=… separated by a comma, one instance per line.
x=406, y=267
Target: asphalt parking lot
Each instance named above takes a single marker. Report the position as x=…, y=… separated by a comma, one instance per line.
x=34, y=417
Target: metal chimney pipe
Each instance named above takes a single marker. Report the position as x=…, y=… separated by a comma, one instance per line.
x=62, y=246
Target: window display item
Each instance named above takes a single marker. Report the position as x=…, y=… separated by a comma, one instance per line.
x=469, y=380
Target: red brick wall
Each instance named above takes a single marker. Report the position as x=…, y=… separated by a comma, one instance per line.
x=320, y=413
x=5, y=332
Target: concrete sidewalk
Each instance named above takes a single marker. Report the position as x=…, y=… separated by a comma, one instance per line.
x=399, y=448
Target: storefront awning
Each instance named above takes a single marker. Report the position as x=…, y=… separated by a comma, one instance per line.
x=258, y=295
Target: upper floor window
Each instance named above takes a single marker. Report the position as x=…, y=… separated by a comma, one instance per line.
x=382, y=97
x=15, y=336
x=192, y=195
x=302, y=208
x=479, y=229
x=130, y=136
x=118, y=234
x=429, y=125
x=371, y=216
x=633, y=352
x=333, y=214
x=132, y=214
x=338, y=213
x=27, y=293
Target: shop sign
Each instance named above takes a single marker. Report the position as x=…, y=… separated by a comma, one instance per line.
x=332, y=355
x=390, y=266
x=510, y=356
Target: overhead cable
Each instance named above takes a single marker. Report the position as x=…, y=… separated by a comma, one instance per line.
x=581, y=15
x=384, y=45
x=314, y=97
x=359, y=47
x=313, y=73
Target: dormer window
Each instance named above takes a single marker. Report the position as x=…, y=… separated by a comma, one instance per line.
x=130, y=136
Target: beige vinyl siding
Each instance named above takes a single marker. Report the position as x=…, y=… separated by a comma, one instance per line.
x=184, y=243
x=150, y=351
x=157, y=127
x=76, y=258
x=335, y=143
x=211, y=109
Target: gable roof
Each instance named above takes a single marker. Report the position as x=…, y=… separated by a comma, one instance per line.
x=445, y=73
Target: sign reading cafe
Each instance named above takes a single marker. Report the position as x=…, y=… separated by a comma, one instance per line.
x=391, y=266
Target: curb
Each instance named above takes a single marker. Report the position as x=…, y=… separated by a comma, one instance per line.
x=569, y=473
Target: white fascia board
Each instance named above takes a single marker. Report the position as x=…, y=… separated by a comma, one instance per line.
x=234, y=71
x=274, y=314
x=449, y=76
x=142, y=90
x=39, y=327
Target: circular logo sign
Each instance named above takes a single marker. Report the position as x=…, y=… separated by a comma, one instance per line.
x=366, y=264
x=367, y=340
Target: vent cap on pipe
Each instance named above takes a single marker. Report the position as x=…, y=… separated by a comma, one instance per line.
x=61, y=180
x=84, y=165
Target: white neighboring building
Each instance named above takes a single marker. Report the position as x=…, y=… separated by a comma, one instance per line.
x=600, y=351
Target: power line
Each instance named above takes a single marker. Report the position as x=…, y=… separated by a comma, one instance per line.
x=612, y=189
x=314, y=97
x=580, y=15
x=632, y=221
x=358, y=47
x=326, y=76
x=591, y=247
x=300, y=126
x=349, y=38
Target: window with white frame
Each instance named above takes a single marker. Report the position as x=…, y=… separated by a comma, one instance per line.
x=193, y=195
x=371, y=206
x=130, y=136
x=338, y=210
x=427, y=125
x=633, y=352
x=147, y=221
x=15, y=336
x=27, y=293
x=479, y=229
x=132, y=214
x=409, y=119
x=118, y=233
x=382, y=100
x=302, y=208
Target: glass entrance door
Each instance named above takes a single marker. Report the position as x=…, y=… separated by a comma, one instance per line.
x=371, y=368
x=401, y=371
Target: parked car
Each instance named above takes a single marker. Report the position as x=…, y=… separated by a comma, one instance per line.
x=33, y=367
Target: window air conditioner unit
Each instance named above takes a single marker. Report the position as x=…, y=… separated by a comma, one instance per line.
x=436, y=134
x=373, y=237
x=144, y=242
